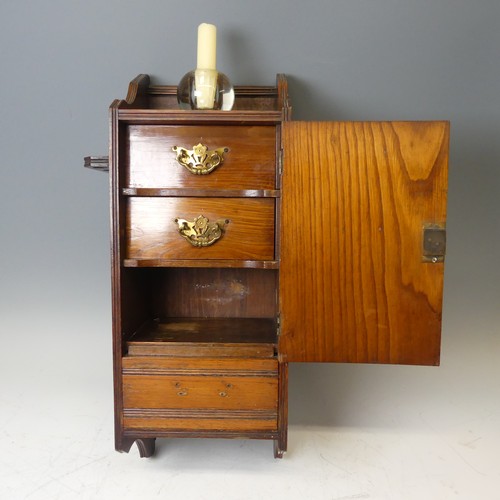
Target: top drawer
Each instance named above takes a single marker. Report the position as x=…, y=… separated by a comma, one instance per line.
x=249, y=163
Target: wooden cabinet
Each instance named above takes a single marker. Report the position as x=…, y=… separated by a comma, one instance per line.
x=242, y=241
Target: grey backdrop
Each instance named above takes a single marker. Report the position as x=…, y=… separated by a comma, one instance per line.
x=63, y=62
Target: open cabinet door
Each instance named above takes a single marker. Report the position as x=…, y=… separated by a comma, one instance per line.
x=362, y=241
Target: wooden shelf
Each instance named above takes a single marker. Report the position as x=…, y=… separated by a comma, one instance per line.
x=210, y=193
x=187, y=117
x=211, y=263
x=226, y=337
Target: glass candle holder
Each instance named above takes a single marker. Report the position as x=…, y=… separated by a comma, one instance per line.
x=205, y=89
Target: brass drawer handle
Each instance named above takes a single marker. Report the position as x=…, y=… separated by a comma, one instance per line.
x=200, y=160
x=200, y=232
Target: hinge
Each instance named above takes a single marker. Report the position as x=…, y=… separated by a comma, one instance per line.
x=278, y=325
x=280, y=162
x=434, y=243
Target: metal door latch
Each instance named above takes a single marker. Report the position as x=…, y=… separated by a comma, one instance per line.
x=434, y=243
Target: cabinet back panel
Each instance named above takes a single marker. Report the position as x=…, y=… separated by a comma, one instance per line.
x=216, y=293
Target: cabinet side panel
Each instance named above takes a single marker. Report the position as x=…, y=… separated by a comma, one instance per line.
x=353, y=284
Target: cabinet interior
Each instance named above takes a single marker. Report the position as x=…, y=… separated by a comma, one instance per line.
x=167, y=307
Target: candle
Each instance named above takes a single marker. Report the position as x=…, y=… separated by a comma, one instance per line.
x=207, y=46
x=205, y=87
x=206, y=73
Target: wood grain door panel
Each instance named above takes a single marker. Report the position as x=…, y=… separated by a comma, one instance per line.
x=355, y=197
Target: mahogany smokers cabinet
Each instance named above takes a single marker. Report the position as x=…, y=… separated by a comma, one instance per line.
x=243, y=241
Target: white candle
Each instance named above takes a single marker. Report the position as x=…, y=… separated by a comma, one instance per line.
x=206, y=73
x=207, y=46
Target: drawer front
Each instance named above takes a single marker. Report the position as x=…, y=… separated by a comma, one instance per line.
x=194, y=394
x=249, y=163
x=152, y=233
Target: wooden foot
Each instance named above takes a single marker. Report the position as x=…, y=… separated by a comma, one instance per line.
x=280, y=443
x=278, y=450
x=146, y=447
x=123, y=445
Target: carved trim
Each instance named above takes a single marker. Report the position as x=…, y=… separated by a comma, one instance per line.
x=137, y=90
x=205, y=433
x=211, y=414
x=176, y=372
x=180, y=117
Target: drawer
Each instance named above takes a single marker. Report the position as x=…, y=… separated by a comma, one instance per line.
x=249, y=163
x=153, y=233
x=200, y=394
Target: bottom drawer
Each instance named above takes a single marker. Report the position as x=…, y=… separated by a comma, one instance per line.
x=193, y=394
